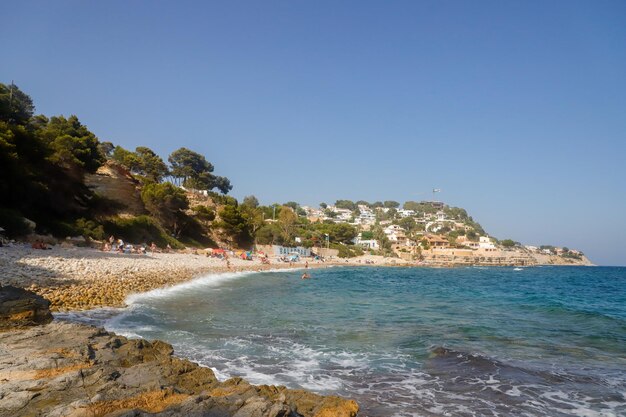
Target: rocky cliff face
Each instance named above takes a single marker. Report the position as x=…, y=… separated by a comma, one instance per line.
x=114, y=182
x=65, y=369
x=20, y=308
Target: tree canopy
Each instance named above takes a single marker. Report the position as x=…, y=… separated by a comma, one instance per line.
x=345, y=204
x=196, y=172
x=15, y=105
x=166, y=202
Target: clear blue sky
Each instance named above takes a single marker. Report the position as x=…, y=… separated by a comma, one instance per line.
x=515, y=109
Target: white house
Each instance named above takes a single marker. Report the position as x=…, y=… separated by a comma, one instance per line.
x=484, y=242
x=366, y=243
x=406, y=213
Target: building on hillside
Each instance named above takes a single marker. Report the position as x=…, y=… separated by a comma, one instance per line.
x=406, y=213
x=437, y=241
x=341, y=215
x=463, y=240
x=369, y=244
x=366, y=217
x=366, y=243
x=435, y=204
x=484, y=242
x=392, y=228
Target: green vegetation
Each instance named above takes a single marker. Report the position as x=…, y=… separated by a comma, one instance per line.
x=167, y=203
x=345, y=204
x=44, y=164
x=508, y=243
x=141, y=229
x=193, y=171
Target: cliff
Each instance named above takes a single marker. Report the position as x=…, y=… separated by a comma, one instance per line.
x=114, y=182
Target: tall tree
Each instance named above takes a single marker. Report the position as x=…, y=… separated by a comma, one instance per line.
x=15, y=105
x=150, y=164
x=73, y=146
x=286, y=222
x=166, y=202
x=196, y=172
x=234, y=226
x=391, y=204
x=345, y=204
x=187, y=164
x=250, y=201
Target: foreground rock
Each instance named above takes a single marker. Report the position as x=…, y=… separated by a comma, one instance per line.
x=20, y=308
x=66, y=369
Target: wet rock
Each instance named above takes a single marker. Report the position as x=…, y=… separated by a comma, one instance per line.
x=21, y=308
x=65, y=369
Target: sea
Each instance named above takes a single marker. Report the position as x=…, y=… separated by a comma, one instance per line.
x=536, y=341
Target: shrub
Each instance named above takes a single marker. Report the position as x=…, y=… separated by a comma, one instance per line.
x=140, y=229
x=89, y=229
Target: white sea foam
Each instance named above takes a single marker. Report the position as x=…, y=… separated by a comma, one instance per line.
x=204, y=281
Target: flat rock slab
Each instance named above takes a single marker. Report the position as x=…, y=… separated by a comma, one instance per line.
x=66, y=369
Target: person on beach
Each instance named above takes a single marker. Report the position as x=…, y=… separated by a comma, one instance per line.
x=153, y=247
x=306, y=264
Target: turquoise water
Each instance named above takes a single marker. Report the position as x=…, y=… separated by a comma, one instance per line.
x=546, y=341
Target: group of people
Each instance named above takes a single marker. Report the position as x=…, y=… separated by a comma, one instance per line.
x=113, y=245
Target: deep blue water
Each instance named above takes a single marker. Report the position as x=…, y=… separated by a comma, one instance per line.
x=544, y=341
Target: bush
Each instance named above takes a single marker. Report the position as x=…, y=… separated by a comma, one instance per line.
x=346, y=251
x=13, y=223
x=140, y=229
x=89, y=229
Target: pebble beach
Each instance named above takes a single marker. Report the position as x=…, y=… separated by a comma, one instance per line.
x=78, y=278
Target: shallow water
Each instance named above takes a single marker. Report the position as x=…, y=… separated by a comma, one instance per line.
x=545, y=341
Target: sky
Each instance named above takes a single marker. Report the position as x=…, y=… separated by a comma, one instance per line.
x=515, y=110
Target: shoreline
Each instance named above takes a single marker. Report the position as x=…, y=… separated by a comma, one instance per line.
x=76, y=278
x=62, y=366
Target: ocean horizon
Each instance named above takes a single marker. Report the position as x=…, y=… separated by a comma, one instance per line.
x=476, y=341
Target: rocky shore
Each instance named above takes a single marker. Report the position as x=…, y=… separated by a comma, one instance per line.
x=72, y=370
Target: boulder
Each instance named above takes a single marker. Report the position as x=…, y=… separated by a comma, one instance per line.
x=20, y=308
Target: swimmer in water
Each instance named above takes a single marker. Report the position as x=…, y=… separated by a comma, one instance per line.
x=306, y=276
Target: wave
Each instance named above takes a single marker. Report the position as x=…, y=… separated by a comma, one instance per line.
x=204, y=281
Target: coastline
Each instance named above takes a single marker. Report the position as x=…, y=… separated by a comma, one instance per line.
x=83, y=278
x=78, y=278
x=73, y=369
x=69, y=274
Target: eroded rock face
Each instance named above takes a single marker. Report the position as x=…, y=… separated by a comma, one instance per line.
x=20, y=308
x=65, y=369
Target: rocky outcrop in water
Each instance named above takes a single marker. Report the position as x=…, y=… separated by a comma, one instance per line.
x=66, y=369
x=20, y=308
